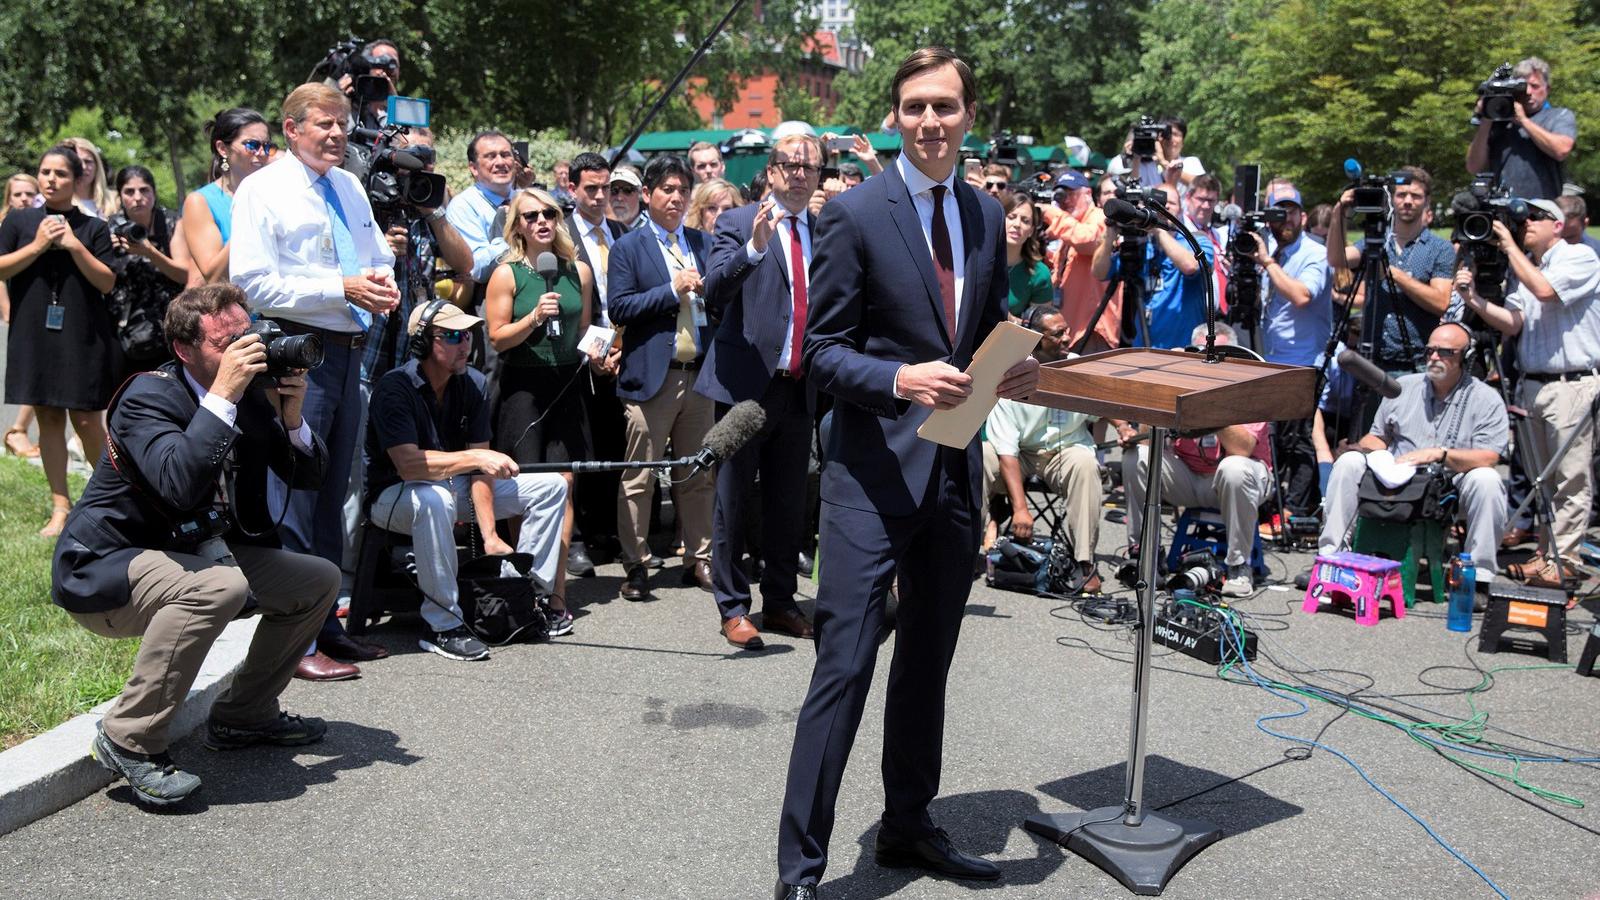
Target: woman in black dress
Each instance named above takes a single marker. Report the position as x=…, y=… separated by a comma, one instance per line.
x=62, y=352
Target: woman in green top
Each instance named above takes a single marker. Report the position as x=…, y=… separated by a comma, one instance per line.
x=539, y=414
x=1025, y=268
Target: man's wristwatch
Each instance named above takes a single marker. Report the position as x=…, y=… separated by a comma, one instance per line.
x=436, y=215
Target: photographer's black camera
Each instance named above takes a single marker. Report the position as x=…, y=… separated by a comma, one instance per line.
x=1145, y=135
x=1243, y=293
x=1130, y=190
x=1501, y=94
x=130, y=231
x=1475, y=211
x=1197, y=571
x=285, y=353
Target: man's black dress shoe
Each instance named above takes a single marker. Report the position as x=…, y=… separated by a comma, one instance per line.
x=934, y=853
x=579, y=565
x=637, y=585
x=795, y=892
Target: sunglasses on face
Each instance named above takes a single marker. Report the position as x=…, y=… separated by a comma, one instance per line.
x=624, y=189
x=255, y=146
x=455, y=337
x=994, y=185
x=1442, y=352
x=534, y=215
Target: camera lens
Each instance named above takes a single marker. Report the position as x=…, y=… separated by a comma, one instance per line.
x=302, y=351
x=1477, y=227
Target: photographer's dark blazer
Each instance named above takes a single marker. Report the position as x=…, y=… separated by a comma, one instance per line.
x=180, y=456
x=752, y=300
x=641, y=300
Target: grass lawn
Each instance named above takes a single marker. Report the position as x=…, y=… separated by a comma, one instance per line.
x=50, y=668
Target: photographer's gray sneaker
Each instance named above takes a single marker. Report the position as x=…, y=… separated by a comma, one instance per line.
x=155, y=780
x=284, y=731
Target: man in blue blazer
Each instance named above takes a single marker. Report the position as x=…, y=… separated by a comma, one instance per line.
x=657, y=285
x=761, y=256
x=908, y=280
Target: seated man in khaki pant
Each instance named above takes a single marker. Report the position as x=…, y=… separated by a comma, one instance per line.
x=1026, y=440
x=171, y=541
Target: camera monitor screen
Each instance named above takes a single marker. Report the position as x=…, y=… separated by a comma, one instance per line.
x=408, y=111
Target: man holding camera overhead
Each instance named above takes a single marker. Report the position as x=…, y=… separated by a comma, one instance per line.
x=176, y=537
x=1523, y=140
x=308, y=255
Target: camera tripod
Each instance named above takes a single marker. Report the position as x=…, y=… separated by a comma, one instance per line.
x=1131, y=279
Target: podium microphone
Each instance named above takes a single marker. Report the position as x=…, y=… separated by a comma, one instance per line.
x=736, y=428
x=1374, y=378
x=1123, y=214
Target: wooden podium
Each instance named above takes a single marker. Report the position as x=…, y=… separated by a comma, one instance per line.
x=1167, y=390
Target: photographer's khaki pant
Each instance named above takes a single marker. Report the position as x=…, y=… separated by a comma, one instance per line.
x=180, y=605
x=1073, y=473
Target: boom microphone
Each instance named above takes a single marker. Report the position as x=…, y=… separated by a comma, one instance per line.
x=736, y=428
x=1123, y=214
x=1374, y=378
x=548, y=269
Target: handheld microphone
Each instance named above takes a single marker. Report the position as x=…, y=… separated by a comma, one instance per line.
x=736, y=428
x=1352, y=169
x=1123, y=214
x=548, y=269
x=1362, y=370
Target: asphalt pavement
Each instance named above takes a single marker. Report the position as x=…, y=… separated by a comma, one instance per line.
x=642, y=756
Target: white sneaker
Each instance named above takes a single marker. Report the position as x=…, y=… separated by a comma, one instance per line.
x=1238, y=583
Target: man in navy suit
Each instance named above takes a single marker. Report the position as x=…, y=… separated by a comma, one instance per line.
x=760, y=256
x=655, y=278
x=908, y=280
x=176, y=535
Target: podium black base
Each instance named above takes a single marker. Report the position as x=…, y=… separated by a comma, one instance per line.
x=1143, y=858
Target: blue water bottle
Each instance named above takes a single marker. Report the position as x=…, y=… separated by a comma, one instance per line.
x=1463, y=579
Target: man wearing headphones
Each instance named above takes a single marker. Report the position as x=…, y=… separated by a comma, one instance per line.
x=1445, y=416
x=428, y=457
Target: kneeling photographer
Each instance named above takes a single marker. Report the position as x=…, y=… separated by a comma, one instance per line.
x=1411, y=288
x=174, y=537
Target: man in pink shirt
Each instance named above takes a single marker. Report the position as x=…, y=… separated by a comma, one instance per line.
x=1078, y=225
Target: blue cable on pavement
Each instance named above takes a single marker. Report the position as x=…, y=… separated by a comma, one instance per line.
x=1237, y=640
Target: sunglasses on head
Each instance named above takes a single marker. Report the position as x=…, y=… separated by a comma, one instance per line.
x=255, y=146
x=454, y=336
x=534, y=215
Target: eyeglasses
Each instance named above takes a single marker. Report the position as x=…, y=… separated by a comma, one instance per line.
x=455, y=337
x=534, y=215
x=255, y=146
x=796, y=168
x=1441, y=352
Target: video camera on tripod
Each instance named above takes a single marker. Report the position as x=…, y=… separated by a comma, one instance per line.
x=1244, y=284
x=1475, y=211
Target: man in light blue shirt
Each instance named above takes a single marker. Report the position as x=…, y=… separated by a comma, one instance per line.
x=1296, y=321
x=495, y=171
x=1297, y=316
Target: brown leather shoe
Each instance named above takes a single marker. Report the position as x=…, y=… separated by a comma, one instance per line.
x=789, y=621
x=698, y=574
x=741, y=633
x=320, y=667
x=353, y=649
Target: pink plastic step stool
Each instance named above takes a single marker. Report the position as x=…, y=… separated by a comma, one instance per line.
x=1356, y=579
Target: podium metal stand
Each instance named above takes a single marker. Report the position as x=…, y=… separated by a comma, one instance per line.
x=1168, y=391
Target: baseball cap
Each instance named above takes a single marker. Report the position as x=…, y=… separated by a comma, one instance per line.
x=450, y=317
x=1072, y=179
x=1285, y=195
x=1549, y=208
x=626, y=176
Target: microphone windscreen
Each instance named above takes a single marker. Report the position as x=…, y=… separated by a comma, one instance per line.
x=546, y=265
x=1463, y=202
x=1363, y=370
x=735, y=429
x=1230, y=213
x=404, y=160
x=1352, y=170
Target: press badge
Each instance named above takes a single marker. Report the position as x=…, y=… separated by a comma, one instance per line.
x=55, y=317
x=1209, y=441
x=697, y=306
x=325, y=249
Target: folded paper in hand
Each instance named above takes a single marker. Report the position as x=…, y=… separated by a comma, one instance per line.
x=1007, y=345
